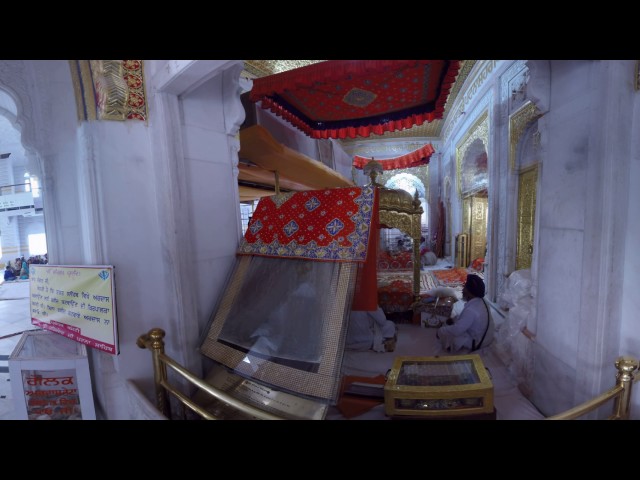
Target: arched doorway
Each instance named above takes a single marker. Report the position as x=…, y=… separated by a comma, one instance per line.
x=411, y=183
x=475, y=203
x=22, y=227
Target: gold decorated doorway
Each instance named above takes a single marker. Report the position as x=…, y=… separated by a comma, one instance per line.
x=475, y=211
x=527, y=181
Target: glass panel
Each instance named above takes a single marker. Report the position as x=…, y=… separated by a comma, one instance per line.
x=438, y=404
x=267, y=326
x=295, y=344
x=431, y=374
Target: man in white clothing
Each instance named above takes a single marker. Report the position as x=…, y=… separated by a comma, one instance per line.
x=471, y=330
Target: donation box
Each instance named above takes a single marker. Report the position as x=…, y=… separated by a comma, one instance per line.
x=50, y=378
x=438, y=387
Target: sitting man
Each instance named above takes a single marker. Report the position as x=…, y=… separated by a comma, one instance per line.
x=473, y=328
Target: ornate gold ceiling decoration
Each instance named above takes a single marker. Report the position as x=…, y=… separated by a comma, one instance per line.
x=263, y=68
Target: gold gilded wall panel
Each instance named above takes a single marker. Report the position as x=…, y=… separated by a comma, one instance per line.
x=263, y=68
x=518, y=123
x=466, y=215
x=462, y=250
x=112, y=93
x=478, y=240
x=527, y=184
x=405, y=222
x=475, y=211
x=109, y=89
x=467, y=204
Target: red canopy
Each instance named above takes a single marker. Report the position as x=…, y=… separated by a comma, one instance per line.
x=351, y=98
x=416, y=158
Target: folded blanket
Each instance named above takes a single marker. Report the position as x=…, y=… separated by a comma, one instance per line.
x=353, y=405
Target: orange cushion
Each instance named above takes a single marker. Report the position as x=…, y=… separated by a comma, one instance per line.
x=353, y=405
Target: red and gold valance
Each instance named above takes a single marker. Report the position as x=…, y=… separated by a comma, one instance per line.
x=416, y=158
x=357, y=98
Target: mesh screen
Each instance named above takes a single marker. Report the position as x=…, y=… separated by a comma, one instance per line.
x=283, y=322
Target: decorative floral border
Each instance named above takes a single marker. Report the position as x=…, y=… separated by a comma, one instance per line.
x=136, y=101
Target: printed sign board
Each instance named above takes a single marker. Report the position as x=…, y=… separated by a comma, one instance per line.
x=77, y=302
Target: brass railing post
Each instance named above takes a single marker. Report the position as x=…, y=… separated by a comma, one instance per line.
x=626, y=366
x=154, y=342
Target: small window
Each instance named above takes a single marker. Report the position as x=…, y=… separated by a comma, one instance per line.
x=246, y=211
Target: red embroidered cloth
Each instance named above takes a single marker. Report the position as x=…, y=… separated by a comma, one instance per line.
x=395, y=261
x=332, y=224
x=454, y=277
x=396, y=294
x=357, y=98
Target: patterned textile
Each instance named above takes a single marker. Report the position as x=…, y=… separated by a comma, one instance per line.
x=395, y=289
x=477, y=264
x=330, y=225
x=395, y=293
x=453, y=277
x=395, y=261
x=350, y=98
x=427, y=282
x=416, y=158
x=136, y=102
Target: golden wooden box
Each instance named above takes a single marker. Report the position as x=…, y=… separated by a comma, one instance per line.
x=438, y=387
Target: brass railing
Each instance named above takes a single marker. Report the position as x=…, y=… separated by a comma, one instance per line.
x=154, y=341
x=620, y=394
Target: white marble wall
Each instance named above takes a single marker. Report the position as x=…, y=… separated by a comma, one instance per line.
x=296, y=140
x=284, y=133
x=212, y=192
x=51, y=130
x=630, y=299
x=561, y=216
x=343, y=161
x=585, y=159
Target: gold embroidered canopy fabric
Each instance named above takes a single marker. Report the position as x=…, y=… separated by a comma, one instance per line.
x=331, y=225
x=357, y=98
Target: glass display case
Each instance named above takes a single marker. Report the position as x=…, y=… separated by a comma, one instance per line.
x=438, y=387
